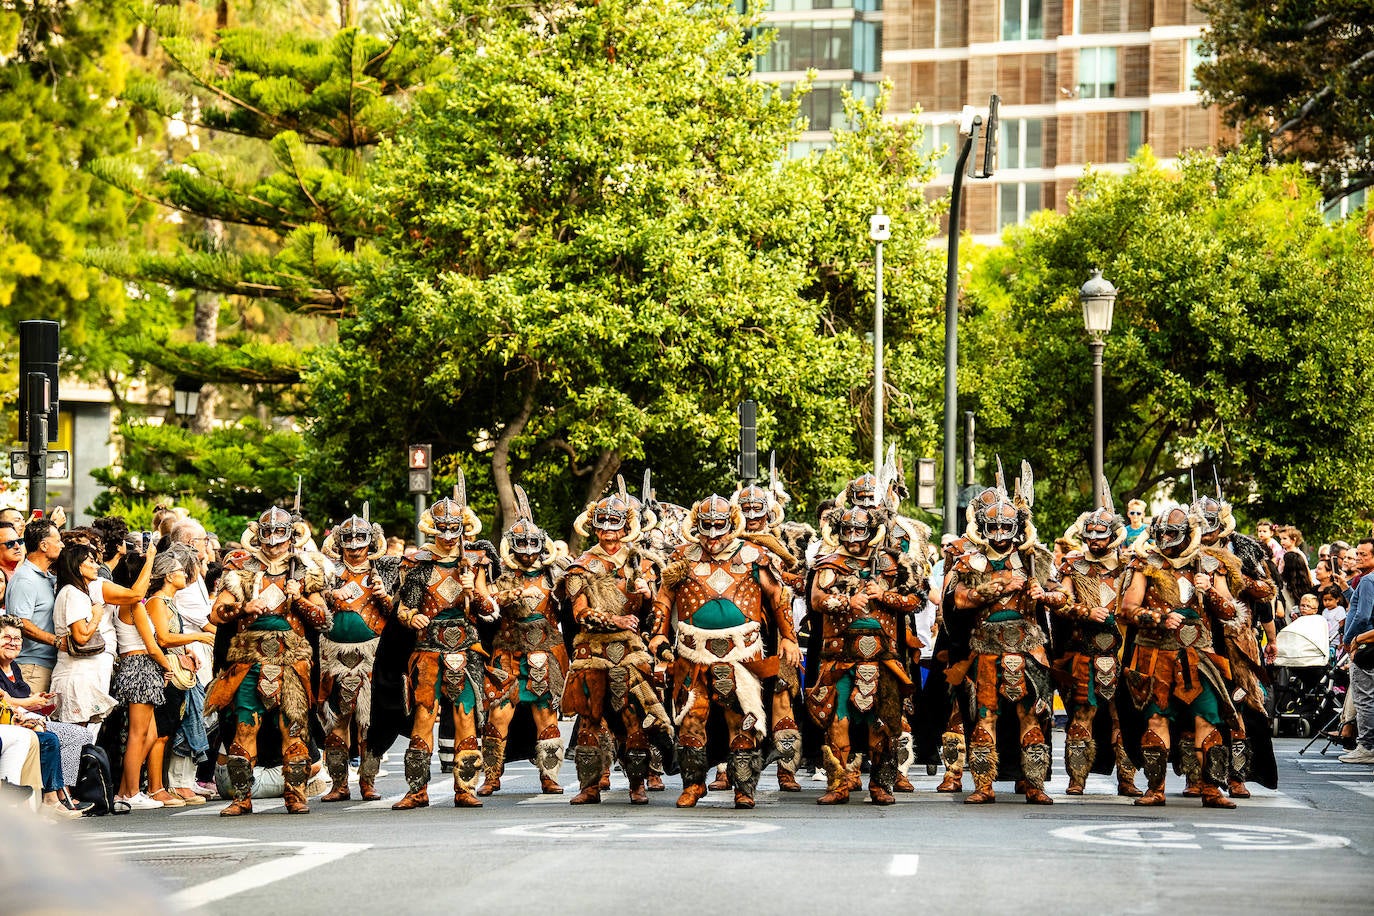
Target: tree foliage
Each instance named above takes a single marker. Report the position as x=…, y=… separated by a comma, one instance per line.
x=1242, y=328
x=1298, y=75
x=595, y=248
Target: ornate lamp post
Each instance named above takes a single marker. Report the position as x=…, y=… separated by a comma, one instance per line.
x=1098, y=297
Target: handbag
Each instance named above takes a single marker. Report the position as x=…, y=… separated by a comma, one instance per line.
x=89, y=649
x=183, y=674
x=1363, y=656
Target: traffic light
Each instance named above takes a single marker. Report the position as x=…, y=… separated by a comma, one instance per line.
x=38, y=353
x=418, y=463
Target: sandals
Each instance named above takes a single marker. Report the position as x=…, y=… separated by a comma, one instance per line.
x=168, y=799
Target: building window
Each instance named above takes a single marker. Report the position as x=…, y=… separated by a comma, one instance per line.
x=1015, y=202
x=1021, y=143
x=935, y=136
x=1023, y=20
x=825, y=45
x=1135, y=132
x=1192, y=60
x=823, y=106
x=1097, y=73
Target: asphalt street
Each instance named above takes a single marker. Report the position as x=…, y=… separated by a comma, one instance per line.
x=1306, y=848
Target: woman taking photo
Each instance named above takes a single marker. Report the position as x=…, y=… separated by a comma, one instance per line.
x=139, y=682
x=178, y=566
x=85, y=611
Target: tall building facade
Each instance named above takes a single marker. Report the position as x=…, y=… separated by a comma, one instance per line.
x=1081, y=82
x=842, y=40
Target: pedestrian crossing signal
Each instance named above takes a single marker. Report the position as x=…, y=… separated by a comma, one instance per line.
x=421, y=476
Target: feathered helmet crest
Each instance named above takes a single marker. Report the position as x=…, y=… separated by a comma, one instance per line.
x=1215, y=511
x=526, y=539
x=713, y=517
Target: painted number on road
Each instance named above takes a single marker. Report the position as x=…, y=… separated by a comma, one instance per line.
x=603, y=830
x=1199, y=836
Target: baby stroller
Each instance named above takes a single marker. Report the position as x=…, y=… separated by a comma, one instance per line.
x=1303, y=686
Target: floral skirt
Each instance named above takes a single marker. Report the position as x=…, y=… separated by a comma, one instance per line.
x=139, y=679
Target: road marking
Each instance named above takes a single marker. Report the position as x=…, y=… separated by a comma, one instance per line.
x=903, y=866
x=618, y=830
x=1364, y=788
x=1226, y=836
x=308, y=856
x=259, y=806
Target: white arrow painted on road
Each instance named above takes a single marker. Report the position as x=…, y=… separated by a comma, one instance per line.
x=309, y=855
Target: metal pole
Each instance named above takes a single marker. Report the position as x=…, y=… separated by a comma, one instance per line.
x=951, y=504
x=1097, y=347
x=968, y=448
x=419, y=511
x=878, y=365
x=38, y=442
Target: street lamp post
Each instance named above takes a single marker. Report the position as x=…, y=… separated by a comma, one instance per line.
x=185, y=397
x=879, y=230
x=1098, y=297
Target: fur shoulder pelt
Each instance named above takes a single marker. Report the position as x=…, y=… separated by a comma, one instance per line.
x=1253, y=556
x=769, y=541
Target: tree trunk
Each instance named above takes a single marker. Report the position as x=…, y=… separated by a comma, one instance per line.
x=207, y=332
x=606, y=466
x=500, y=456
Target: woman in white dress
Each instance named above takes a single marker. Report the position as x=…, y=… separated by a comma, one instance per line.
x=86, y=606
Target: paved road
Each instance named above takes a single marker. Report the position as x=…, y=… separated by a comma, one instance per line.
x=1308, y=848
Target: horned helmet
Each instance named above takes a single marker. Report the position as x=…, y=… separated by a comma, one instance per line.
x=447, y=520
x=858, y=525
x=613, y=512
x=274, y=528
x=1099, y=530
x=1177, y=530
x=998, y=522
x=712, y=518
x=356, y=532
x=863, y=491
x=524, y=539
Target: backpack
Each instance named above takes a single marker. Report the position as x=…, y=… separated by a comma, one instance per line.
x=94, y=783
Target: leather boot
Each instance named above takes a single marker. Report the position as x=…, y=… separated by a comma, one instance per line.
x=548, y=757
x=722, y=780
x=367, y=776
x=1078, y=757
x=882, y=775
x=982, y=764
x=1125, y=774
x=466, y=766
x=493, y=764
x=1240, y=768
x=952, y=756
x=240, y=769
x=692, y=765
x=295, y=774
x=787, y=745
x=417, y=780
x=607, y=745
x=1156, y=758
x=587, y=759
x=336, y=763
x=836, y=778
x=787, y=780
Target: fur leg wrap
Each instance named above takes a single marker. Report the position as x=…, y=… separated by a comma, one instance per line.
x=788, y=743
x=884, y=769
x=548, y=757
x=692, y=762
x=906, y=752
x=1213, y=759
x=493, y=759
x=1035, y=764
x=1189, y=762
x=240, y=771
x=1078, y=760
x=606, y=741
x=952, y=751
x=636, y=764
x=982, y=763
x=1156, y=763
x=336, y=762
x=588, y=760
x=416, y=768
x=1125, y=769
x=369, y=766
x=465, y=769
x=1240, y=759
x=745, y=767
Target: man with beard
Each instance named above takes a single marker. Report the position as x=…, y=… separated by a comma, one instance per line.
x=1090, y=575
x=271, y=592
x=529, y=646
x=862, y=675
x=1173, y=595
x=1003, y=583
x=361, y=602
x=721, y=590
x=611, y=675
x=443, y=590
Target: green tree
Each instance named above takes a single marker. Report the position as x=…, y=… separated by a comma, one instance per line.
x=61, y=67
x=594, y=249
x=1298, y=76
x=1241, y=331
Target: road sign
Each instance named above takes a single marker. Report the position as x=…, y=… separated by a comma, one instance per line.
x=421, y=475
x=58, y=465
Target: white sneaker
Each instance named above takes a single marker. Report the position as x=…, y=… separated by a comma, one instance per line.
x=1360, y=754
x=141, y=802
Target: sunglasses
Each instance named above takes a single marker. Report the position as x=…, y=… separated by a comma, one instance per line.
x=1135, y=514
x=10, y=545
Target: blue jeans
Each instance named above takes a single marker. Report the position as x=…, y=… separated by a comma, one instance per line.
x=50, y=761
